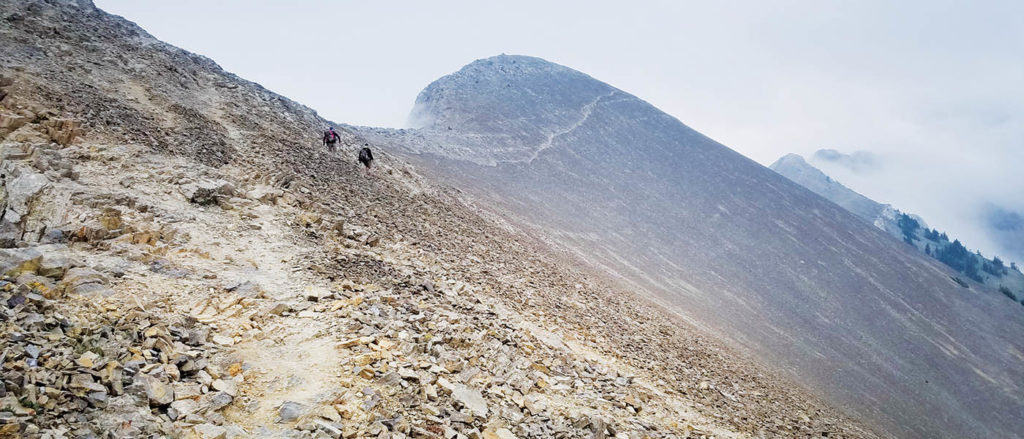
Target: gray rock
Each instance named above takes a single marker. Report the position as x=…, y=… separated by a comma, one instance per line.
x=83, y=280
x=216, y=401
x=14, y=261
x=210, y=431
x=235, y=431
x=279, y=308
x=227, y=386
x=158, y=392
x=182, y=408
x=246, y=289
x=471, y=399
x=208, y=192
x=290, y=411
x=331, y=429
x=55, y=264
x=22, y=191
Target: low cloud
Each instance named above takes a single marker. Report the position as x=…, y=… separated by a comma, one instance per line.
x=859, y=161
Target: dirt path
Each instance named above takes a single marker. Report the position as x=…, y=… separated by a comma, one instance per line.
x=346, y=354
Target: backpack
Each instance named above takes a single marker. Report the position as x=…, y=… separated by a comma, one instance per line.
x=331, y=136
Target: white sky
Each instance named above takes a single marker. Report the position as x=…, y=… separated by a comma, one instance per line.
x=935, y=88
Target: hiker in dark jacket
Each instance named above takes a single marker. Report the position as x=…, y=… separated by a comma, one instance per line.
x=366, y=156
x=330, y=138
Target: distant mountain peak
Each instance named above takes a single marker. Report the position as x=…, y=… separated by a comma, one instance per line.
x=910, y=228
x=794, y=167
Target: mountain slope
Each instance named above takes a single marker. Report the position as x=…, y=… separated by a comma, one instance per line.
x=1001, y=279
x=726, y=243
x=795, y=168
x=181, y=258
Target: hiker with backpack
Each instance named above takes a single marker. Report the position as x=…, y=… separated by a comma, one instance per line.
x=330, y=138
x=366, y=156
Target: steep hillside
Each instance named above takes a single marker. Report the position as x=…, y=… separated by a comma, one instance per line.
x=795, y=168
x=726, y=243
x=999, y=277
x=181, y=257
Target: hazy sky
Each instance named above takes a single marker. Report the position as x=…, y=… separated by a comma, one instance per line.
x=934, y=88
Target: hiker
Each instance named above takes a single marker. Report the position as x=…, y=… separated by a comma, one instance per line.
x=330, y=138
x=366, y=156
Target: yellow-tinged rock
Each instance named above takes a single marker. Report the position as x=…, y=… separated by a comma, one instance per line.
x=498, y=433
x=355, y=342
x=633, y=402
x=87, y=360
x=367, y=373
x=234, y=369
x=363, y=360
x=330, y=413
x=338, y=304
x=385, y=344
x=109, y=369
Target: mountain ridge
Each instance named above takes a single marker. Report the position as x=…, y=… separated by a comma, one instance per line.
x=732, y=246
x=909, y=228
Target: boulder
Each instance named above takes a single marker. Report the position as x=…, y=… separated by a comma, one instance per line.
x=23, y=190
x=265, y=194
x=15, y=261
x=215, y=401
x=227, y=386
x=182, y=408
x=471, y=399
x=159, y=393
x=331, y=429
x=11, y=121
x=19, y=200
x=498, y=433
x=209, y=431
x=56, y=261
x=84, y=280
x=63, y=131
x=290, y=411
x=208, y=192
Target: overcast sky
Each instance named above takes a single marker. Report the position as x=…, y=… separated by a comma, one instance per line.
x=934, y=88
